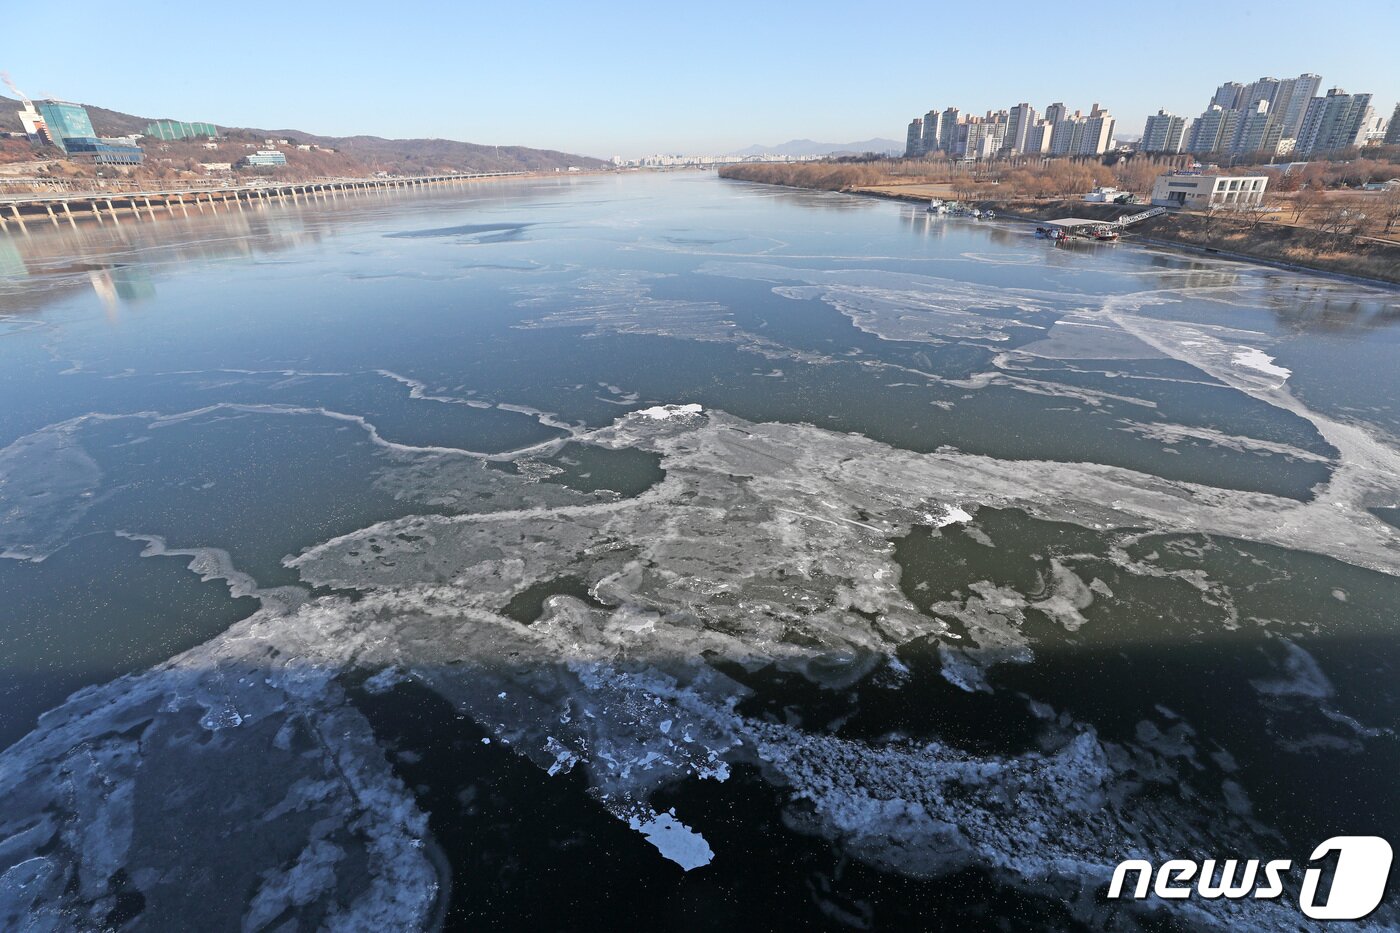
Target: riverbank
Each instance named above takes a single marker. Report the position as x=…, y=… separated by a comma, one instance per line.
x=1250, y=239
x=1246, y=238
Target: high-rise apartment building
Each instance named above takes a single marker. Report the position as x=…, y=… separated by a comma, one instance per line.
x=948, y=129
x=984, y=138
x=1164, y=132
x=1039, y=135
x=930, y=142
x=1213, y=131
x=1291, y=103
x=914, y=139
x=1227, y=96
x=1097, y=136
x=1069, y=132
x=1018, y=124
x=1392, y=135
x=1332, y=123
x=1257, y=132
x=1264, y=89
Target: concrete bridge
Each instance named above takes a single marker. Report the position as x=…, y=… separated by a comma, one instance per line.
x=19, y=212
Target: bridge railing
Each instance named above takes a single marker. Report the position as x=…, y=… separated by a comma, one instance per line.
x=99, y=190
x=1144, y=215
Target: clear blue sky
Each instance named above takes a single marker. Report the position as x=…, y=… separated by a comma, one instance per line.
x=629, y=78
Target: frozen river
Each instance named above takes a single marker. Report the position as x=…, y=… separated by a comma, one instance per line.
x=667, y=550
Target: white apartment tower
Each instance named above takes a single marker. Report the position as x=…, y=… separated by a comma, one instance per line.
x=1097, y=135
x=1018, y=124
x=1333, y=123
x=930, y=139
x=1164, y=132
x=1038, y=138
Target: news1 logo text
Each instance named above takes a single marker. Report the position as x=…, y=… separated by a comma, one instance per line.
x=1359, y=872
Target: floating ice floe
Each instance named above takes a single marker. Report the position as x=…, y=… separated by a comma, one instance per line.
x=666, y=412
x=1260, y=361
x=951, y=515
x=675, y=840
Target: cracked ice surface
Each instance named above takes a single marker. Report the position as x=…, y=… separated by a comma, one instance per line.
x=764, y=544
x=113, y=782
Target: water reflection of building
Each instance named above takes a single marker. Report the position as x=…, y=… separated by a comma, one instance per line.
x=117, y=262
x=124, y=284
x=11, y=263
x=921, y=221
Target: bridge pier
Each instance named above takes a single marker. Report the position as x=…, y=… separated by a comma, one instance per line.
x=69, y=213
x=97, y=212
x=111, y=207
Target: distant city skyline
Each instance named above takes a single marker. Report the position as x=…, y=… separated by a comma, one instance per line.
x=634, y=79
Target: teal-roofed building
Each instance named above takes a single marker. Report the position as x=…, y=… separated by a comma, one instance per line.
x=174, y=129
x=66, y=121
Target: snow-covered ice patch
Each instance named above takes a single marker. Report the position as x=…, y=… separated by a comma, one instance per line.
x=951, y=515
x=675, y=840
x=1260, y=361
x=666, y=412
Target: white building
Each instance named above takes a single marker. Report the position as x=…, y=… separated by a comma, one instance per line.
x=1186, y=189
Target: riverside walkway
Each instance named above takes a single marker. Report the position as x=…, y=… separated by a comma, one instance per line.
x=18, y=212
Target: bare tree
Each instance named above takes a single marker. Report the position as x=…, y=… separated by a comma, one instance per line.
x=1306, y=200
x=1388, y=208
x=1263, y=212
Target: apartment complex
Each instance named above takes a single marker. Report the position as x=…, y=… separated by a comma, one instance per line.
x=1267, y=118
x=1018, y=130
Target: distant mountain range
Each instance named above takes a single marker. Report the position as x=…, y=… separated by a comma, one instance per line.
x=372, y=151
x=808, y=147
